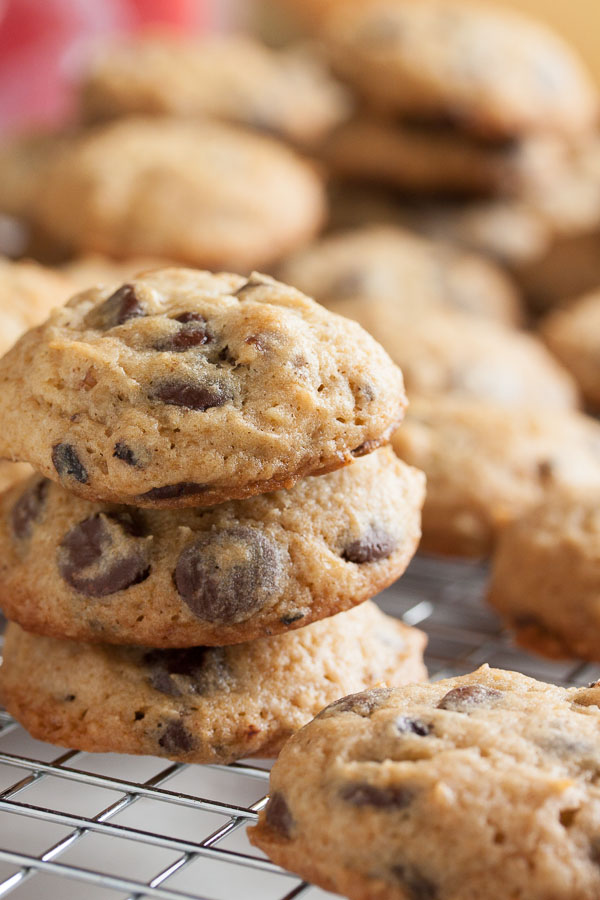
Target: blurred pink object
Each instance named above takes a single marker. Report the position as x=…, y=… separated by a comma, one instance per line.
x=44, y=43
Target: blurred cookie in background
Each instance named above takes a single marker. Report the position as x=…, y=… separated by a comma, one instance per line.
x=202, y=193
x=416, y=274
x=93, y=269
x=235, y=78
x=487, y=465
x=573, y=335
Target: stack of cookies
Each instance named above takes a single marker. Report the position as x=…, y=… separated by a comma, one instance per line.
x=172, y=569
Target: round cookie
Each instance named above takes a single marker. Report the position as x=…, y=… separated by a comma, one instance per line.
x=202, y=193
x=288, y=93
x=23, y=163
x=573, y=335
x=183, y=388
x=201, y=704
x=451, y=353
x=210, y=576
x=417, y=274
x=470, y=787
x=546, y=577
x=438, y=159
x=569, y=268
x=489, y=70
x=486, y=466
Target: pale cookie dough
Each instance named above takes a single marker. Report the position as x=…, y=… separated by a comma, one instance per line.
x=201, y=705
x=489, y=70
x=417, y=274
x=546, y=577
x=203, y=193
x=573, y=335
x=486, y=466
x=483, y=786
x=451, y=353
x=288, y=93
x=183, y=388
x=213, y=576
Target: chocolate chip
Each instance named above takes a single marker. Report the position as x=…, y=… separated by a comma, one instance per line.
x=595, y=850
x=174, y=491
x=293, y=617
x=374, y=545
x=194, y=333
x=199, y=397
x=251, y=283
x=28, y=508
x=465, y=698
x=69, y=698
x=102, y=555
x=226, y=576
x=125, y=454
x=176, y=738
x=364, y=449
x=545, y=470
x=363, y=704
x=187, y=317
x=67, y=463
x=278, y=815
x=194, y=670
x=416, y=885
x=406, y=725
x=370, y=795
x=117, y=309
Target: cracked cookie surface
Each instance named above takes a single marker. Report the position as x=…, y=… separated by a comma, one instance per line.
x=484, y=785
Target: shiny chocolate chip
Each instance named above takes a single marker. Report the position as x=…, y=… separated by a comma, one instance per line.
x=226, y=576
x=174, y=491
x=362, y=704
x=117, y=309
x=194, y=670
x=363, y=794
x=190, y=395
x=67, y=463
x=375, y=544
x=176, y=738
x=125, y=454
x=29, y=507
x=468, y=697
x=103, y=555
x=187, y=317
x=193, y=333
x=407, y=725
x=278, y=815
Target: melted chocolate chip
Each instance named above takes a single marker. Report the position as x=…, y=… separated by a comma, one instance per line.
x=199, y=397
x=374, y=545
x=195, y=670
x=278, y=815
x=193, y=333
x=417, y=886
x=251, y=283
x=176, y=738
x=228, y=575
x=125, y=454
x=103, y=555
x=117, y=309
x=469, y=696
x=187, y=317
x=174, y=491
x=370, y=795
x=363, y=704
x=406, y=725
x=28, y=508
x=293, y=617
x=67, y=463
x=364, y=449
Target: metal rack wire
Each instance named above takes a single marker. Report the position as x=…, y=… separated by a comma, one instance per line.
x=103, y=827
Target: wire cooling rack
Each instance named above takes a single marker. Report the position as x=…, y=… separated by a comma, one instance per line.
x=103, y=827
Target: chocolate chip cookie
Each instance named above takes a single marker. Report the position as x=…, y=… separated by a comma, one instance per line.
x=546, y=577
x=201, y=704
x=450, y=353
x=438, y=158
x=183, y=388
x=486, y=466
x=176, y=578
x=288, y=92
x=573, y=335
x=202, y=193
x=377, y=262
x=488, y=70
x=471, y=787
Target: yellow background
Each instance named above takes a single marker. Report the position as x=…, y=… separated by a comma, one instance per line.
x=577, y=20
